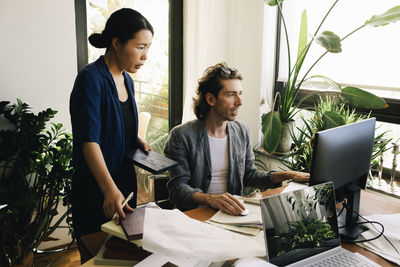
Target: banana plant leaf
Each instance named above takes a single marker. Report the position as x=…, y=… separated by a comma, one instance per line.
x=391, y=15
x=272, y=2
x=272, y=129
x=359, y=98
x=329, y=41
x=331, y=120
x=328, y=80
x=303, y=41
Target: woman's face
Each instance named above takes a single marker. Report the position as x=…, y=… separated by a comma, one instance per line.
x=132, y=55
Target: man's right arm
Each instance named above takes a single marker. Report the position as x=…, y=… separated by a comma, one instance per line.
x=180, y=191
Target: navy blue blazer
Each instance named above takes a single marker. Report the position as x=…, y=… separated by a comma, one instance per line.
x=96, y=116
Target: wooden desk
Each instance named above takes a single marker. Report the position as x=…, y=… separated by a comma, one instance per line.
x=371, y=203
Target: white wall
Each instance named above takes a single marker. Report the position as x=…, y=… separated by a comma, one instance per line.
x=38, y=54
x=38, y=62
x=229, y=31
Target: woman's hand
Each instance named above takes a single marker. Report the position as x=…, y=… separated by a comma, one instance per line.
x=146, y=147
x=112, y=203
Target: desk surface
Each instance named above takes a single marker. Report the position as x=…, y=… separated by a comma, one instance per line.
x=371, y=203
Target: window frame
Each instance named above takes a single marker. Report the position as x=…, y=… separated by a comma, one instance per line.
x=175, y=56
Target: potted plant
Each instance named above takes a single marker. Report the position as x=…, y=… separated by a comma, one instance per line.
x=328, y=113
x=35, y=174
x=285, y=106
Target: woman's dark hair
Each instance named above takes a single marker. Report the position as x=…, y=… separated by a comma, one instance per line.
x=123, y=24
x=211, y=83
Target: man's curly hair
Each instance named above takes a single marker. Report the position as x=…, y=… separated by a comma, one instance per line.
x=211, y=83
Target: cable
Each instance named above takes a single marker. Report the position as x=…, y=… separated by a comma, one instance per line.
x=372, y=223
x=387, y=239
x=340, y=212
x=367, y=240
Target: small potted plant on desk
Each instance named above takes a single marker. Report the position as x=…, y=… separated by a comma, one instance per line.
x=276, y=124
x=35, y=174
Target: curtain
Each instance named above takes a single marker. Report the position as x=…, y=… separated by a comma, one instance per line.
x=239, y=33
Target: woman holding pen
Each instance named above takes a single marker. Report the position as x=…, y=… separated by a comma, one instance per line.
x=105, y=122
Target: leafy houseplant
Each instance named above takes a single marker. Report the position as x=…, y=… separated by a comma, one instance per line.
x=35, y=174
x=285, y=107
x=328, y=113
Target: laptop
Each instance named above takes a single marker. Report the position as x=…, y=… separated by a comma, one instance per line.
x=301, y=229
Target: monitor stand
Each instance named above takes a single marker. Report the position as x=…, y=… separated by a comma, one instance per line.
x=347, y=221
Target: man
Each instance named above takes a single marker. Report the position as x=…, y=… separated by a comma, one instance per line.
x=215, y=155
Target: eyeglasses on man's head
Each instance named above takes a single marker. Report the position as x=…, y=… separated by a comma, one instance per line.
x=228, y=71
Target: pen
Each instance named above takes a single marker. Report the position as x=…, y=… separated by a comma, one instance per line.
x=123, y=204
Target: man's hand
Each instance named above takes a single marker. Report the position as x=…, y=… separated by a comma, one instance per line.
x=225, y=202
x=112, y=203
x=301, y=177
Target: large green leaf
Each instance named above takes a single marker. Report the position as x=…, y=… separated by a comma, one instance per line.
x=362, y=99
x=272, y=2
x=332, y=119
x=272, y=130
x=392, y=15
x=329, y=41
x=303, y=40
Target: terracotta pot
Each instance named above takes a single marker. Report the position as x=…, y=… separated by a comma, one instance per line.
x=26, y=262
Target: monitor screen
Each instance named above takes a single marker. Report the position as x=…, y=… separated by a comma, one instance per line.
x=343, y=155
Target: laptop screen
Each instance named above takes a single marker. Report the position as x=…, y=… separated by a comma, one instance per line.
x=300, y=223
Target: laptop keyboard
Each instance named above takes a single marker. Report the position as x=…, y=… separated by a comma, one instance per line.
x=343, y=259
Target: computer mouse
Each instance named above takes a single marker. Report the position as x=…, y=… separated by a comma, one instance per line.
x=245, y=212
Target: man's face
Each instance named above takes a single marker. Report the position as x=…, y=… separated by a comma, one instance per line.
x=226, y=105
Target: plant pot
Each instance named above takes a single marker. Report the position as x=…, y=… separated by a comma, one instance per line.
x=26, y=262
x=285, y=143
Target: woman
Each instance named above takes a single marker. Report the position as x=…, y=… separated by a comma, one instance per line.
x=105, y=123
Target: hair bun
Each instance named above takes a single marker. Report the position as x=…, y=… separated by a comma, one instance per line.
x=97, y=40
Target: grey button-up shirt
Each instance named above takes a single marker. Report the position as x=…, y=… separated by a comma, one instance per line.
x=188, y=144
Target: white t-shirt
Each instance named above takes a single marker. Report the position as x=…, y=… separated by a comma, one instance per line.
x=219, y=165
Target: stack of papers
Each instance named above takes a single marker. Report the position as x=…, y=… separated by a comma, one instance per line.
x=253, y=198
x=250, y=224
x=116, y=230
x=174, y=235
x=381, y=246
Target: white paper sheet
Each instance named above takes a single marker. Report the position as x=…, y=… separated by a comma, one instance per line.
x=381, y=246
x=157, y=260
x=294, y=186
x=239, y=229
x=252, y=262
x=172, y=233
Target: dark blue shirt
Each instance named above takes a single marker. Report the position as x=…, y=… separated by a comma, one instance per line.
x=96, y=116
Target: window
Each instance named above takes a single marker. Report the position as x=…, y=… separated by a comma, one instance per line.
x=368, y=60
x=154, y=97
x=151, y=82
x=370, y=56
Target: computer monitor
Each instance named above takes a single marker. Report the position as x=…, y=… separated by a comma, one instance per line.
x=343, y=155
